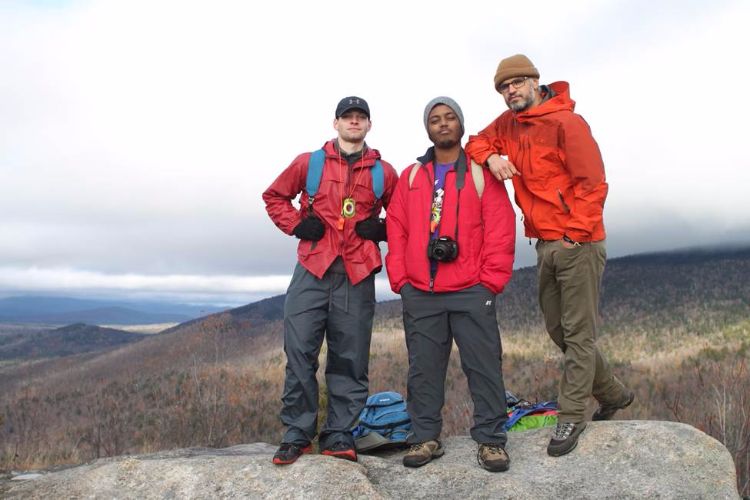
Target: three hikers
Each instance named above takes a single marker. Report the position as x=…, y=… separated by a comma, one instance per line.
x=451, y=239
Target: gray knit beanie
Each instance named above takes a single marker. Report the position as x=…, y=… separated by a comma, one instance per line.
x=448, y=102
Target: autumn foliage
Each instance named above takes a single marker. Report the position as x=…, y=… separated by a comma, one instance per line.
x=677, y=333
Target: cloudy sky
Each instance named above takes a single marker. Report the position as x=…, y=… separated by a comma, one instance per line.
x=136, y=137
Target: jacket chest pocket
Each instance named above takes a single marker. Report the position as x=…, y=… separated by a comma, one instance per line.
x=363, y=194
x=542, y=159
x=337, y=191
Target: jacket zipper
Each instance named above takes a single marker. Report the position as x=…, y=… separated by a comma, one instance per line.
x=526, y=149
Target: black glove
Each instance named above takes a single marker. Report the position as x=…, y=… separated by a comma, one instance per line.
x=371, y=229
x=311, y=228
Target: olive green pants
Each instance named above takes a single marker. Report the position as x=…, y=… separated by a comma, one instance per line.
x=569, y=282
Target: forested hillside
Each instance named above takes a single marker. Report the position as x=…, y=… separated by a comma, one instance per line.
x=676, y=327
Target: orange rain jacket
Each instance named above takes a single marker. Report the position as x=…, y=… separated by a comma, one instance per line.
x=361, y=257
x=562, y=186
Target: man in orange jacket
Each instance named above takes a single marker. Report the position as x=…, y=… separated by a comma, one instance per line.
x=332, y=292
x=558, y=175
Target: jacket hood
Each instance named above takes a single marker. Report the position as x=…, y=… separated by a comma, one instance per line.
x=560, y=101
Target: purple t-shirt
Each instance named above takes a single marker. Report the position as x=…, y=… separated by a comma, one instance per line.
x=438, y=195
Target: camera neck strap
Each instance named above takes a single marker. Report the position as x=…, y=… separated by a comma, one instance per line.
x=460, y=178
x=460, y=169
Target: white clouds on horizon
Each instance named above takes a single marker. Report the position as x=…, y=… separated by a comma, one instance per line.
x=219, y=289
x=216, y=288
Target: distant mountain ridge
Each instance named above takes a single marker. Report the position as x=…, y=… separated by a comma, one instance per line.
x=68, y=340
x=66, y=310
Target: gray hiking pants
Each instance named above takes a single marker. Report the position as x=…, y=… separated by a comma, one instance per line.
x=333, y=308
x=569, y=281
x=431, y=322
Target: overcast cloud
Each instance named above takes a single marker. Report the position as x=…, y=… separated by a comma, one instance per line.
x=136, y=137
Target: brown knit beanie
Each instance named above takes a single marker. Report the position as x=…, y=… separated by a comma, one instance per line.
x=513, y=66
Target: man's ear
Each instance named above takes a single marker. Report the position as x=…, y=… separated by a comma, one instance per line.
x=369, y=124
x=335, y=123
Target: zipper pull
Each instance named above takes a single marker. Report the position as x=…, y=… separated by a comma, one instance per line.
x=432, y=283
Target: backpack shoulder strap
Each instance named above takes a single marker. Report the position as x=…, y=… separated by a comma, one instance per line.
x=413, y=172
x=314, y=172
x=378, y=182
x=478, y=175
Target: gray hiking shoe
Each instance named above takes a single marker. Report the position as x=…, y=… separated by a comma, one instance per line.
x=607, y=410
x=422, y=453
x=493, y=457
x=565, y=438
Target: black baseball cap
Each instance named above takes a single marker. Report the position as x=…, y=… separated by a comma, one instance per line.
x=352, y=102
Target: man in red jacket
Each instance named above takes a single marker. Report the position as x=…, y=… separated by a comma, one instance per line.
x=451, y=241
x=332, y=292
x=559, y=182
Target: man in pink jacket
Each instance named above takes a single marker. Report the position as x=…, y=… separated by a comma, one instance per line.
x=451, y=242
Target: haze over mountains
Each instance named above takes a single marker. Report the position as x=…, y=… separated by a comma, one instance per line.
x=65, y=310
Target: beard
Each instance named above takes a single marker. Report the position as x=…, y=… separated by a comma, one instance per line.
x=524, y=103
x=445, y=142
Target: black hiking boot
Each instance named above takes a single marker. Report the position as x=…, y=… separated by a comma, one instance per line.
x=288, y=453
x=607, y=410
x=565, y=438
x=343, y=450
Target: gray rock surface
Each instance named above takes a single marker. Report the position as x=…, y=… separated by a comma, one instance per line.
x=620, y=459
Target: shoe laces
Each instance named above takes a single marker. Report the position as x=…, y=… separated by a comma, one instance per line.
x=417, y=447
x=563, y=430
x=493, y=448
x=340, y=446
x=426, y=445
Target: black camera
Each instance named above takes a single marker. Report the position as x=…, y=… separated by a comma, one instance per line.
x=443, y=249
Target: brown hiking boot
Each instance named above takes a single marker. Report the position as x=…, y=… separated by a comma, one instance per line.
x=607, y=410
x=493, y=457
x=422, y=453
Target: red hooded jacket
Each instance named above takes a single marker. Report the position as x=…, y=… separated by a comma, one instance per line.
x=486, y=232
x=361, y=257
x=562, y=187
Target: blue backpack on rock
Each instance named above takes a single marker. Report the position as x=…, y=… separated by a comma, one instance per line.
x=383, y=421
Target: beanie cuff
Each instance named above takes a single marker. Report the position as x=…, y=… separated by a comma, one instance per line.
x=514, y=66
